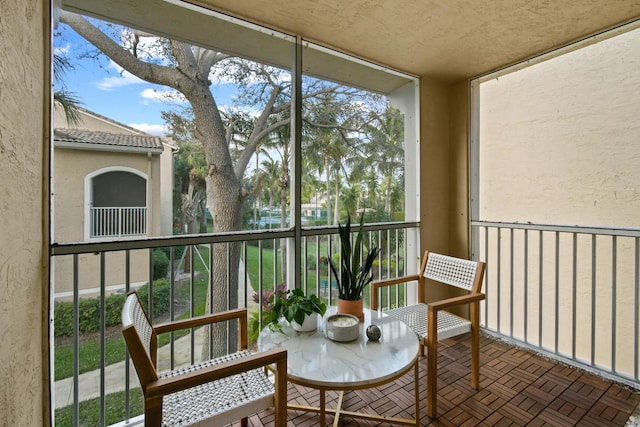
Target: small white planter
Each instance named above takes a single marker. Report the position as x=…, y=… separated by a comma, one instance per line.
x=310, y=323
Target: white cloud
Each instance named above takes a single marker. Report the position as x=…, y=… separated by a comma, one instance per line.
x=62, y=50
x=163, y=95
x=124, y=78
x=157, y=130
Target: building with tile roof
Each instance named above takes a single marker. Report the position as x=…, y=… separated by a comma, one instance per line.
x=110, y=182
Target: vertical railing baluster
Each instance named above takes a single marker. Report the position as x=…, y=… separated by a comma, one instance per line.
x=127, y=373
x=260, y=267
x=487, y=270
x=210, y=293
x=526, y=286
x=329, y=252
x=247, y=283
x=192, y=301
x=172, y=309
x=593, y=299
x=230, y=303
x=305, y=273
x=150, y=295
x=76, y=342
x=614, y=300
x=397, y=263
x=120, y=220
x=574, y=323
x=498, y=279
x=393, y=259
x=276, y=245
x=557, y=292
x=540, y=285
x=511, y=281
x=318, y=278
x=103, y=328
x=636, y=327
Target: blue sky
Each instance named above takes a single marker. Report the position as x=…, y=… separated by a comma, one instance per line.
x=105, y=89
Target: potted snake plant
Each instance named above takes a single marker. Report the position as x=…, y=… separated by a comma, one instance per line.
x=353, y=274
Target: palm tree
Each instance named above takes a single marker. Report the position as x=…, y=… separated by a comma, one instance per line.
x=62, y=98
x=325, y=147
x=386, y=141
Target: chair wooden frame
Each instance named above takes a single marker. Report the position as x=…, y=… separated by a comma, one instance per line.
x=438, y=319
x=142, y=345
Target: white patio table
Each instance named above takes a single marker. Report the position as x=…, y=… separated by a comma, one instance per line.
x=317, y=362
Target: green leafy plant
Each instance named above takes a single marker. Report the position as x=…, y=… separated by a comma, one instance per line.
x=294, y=307
x=354, y=275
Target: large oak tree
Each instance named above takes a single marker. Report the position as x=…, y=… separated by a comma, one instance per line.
x=188, y=70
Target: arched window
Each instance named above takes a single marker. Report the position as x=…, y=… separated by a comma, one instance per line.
x=117, y=203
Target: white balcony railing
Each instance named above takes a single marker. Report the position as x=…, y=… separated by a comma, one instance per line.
x=572, y=293
x=86, y=393
x=118, y=221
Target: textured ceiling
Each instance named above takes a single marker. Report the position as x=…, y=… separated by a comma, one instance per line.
x=443, y=39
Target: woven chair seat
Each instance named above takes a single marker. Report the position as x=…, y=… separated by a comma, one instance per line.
x=415, y=316
x=217, y=401
x=214, y=392
x=452, y=272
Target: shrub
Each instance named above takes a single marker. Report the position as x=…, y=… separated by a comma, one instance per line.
x=177, y=251
x=311, y=262
x=161, y=296
x=63, y=319
x=160, y=264
x=89, y=309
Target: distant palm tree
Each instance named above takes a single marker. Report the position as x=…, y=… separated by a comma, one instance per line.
x=386, y=148
x=62, y=98
x=324, y=150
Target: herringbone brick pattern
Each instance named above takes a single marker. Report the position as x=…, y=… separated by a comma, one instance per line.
x=517, y=388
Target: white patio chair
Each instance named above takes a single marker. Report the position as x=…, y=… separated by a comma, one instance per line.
x=431, y=321
x=212, y=393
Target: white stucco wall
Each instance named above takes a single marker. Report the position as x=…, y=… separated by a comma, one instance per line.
x=565, y=132
x=24, y=390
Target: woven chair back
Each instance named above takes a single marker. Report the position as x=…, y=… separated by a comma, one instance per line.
x=456, y=272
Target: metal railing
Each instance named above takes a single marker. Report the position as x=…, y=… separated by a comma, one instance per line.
x=566, y=291
x=180, y=270
x=118, y=221
x=569, y=292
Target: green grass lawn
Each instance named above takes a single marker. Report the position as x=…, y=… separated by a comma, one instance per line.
x=89, y=355
x=115, y=407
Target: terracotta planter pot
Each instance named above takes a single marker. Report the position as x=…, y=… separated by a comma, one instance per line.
x=351, y=307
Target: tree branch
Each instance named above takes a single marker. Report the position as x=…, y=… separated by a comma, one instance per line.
x=153, y=73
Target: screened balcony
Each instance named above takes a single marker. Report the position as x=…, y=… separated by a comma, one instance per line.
x=523, y=380
x=560, y=343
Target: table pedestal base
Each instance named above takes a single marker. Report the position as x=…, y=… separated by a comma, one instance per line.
x=338, y=411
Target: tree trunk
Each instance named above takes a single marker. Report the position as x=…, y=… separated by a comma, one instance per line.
x=222, y=294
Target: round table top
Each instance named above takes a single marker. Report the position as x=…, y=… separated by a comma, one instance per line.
x=316, y=361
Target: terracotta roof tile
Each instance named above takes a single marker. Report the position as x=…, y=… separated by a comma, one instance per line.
x=107, y=138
